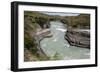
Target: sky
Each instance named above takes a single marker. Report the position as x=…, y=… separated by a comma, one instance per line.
x=60, y=13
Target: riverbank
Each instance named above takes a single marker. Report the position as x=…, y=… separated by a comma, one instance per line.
x=78, y=38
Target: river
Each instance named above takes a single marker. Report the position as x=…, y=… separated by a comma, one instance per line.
x=58, y=44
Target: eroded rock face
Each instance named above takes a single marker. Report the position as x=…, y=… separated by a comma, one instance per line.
x=43, y=33
x=78, y=38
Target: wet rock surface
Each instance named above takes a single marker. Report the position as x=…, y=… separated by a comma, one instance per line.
x=78, y=38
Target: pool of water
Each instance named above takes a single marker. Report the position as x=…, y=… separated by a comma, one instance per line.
x=57, y=44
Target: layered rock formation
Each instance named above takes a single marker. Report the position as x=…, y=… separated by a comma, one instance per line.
x=78, y=38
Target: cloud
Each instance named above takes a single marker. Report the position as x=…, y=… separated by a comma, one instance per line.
x=60, y=13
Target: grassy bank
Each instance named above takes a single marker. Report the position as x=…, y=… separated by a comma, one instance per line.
x=80, y=21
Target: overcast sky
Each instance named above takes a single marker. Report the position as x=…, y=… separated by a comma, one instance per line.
x=60, y=13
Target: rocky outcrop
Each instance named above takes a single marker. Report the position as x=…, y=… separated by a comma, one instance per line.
x=78, y=38
x=45, y=25
x=41, y=34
